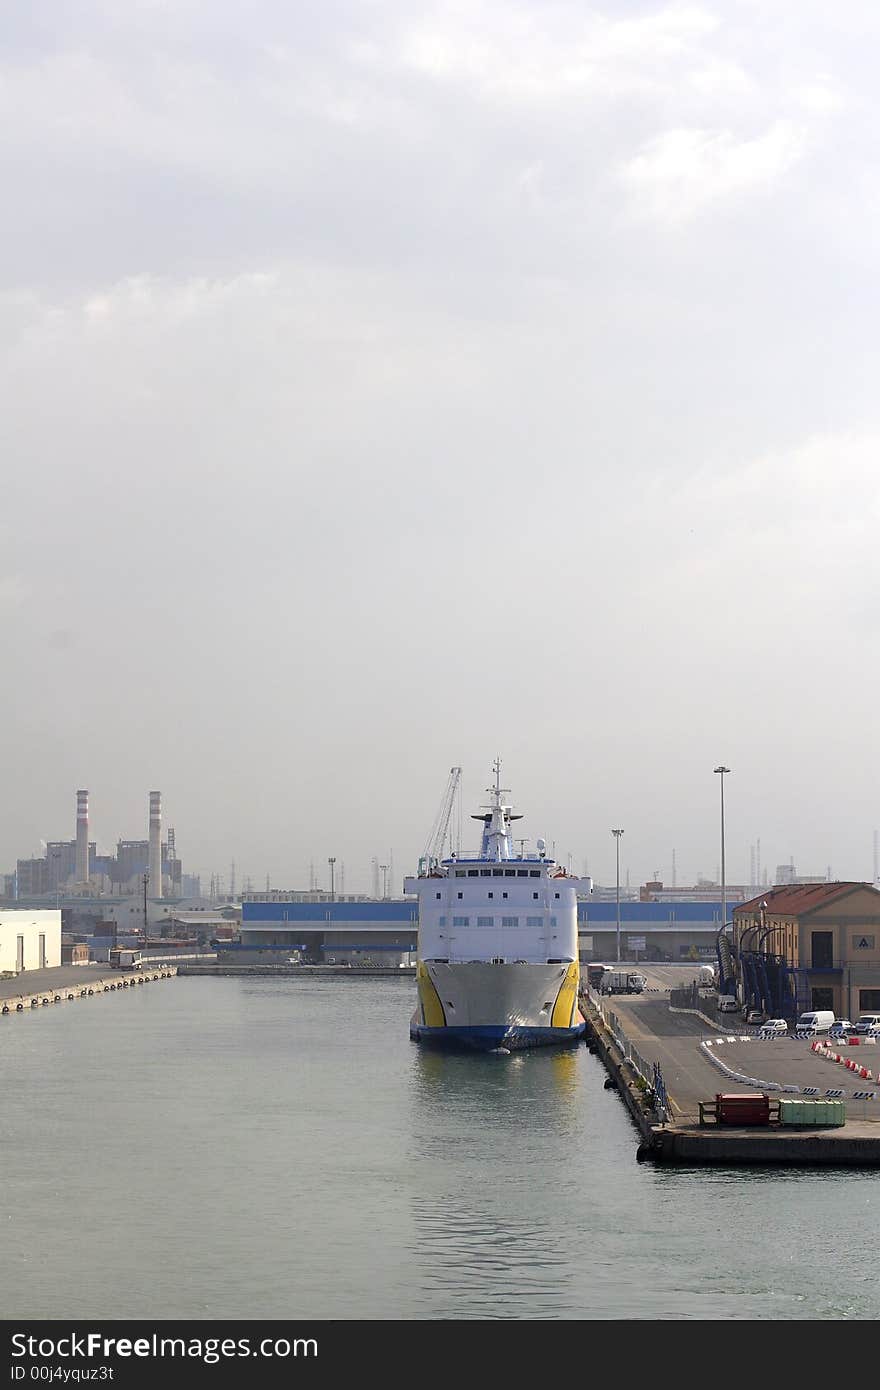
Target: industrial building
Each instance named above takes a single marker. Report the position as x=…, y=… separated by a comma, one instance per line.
x=75, y=866
x=386, y=931
x=810, y=946
x=30, y=939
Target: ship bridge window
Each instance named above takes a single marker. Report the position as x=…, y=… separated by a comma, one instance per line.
x=497, y=873
x=534, y=873
x=460, y=873
x=510, y=873
x=485, y=873
x=522, y=873
x=473, y=873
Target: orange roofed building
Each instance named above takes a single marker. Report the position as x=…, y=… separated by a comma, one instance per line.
x=811, y=946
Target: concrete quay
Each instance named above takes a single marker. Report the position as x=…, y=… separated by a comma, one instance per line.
x=341, y=972
x=37, y=989
x=693, y=1056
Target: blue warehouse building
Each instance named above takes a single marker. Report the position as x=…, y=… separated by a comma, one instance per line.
x=385, y=932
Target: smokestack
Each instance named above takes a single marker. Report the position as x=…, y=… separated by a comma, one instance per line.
x=82, y=837
x=155, y=844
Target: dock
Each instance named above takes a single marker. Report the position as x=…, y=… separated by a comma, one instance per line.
x=336, y=972
x=39, y=989
x=664, y=1063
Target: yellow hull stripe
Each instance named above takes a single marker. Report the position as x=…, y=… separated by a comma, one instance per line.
x=433, y=1015
x=566, y=999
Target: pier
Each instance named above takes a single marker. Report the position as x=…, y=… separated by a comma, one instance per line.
x=38, y=989
x=697, y=1061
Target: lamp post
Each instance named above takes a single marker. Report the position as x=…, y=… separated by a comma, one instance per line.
x=332, y=862
x=722, y=770
x=617, y=834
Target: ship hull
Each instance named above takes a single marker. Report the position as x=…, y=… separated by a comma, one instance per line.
x=490, y=1039
x=484, y=1006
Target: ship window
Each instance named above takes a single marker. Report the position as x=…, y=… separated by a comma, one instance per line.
x=556, y=895
x=460, y=873
x=534, y=921
x=490, y=895
x=485, y=873
x=438, y=895
x=441, y=921
x=504, y=895
x=473, y=873
x=485, y=921
x=461, y=921
x=534, y=895
x=461, y=895
x=510, y=921
x=522, y=873
x=497, y=873
x=510, y=873
x=534, y=873
x=553, y=921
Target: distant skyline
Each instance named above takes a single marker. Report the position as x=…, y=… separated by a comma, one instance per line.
x=358, y=877
x=386, y=388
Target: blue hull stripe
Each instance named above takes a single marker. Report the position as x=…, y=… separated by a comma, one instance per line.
x=496, y=1036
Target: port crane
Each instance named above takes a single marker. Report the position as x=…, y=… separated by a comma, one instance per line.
x=440, y=829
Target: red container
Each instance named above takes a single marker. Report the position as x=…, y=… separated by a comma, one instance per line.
x=742, y=1110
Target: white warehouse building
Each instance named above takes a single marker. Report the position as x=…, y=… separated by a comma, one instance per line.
x=30, y=939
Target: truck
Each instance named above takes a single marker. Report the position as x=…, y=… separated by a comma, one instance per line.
x=622, y=982
x=124, y=958
x=594, y=975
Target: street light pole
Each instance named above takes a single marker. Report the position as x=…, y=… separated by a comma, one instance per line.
x=722, y=770
x=617, y=834
x=384, y=868
x=332, y=862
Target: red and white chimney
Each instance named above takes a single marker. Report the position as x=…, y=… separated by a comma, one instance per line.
x=155, y=865
x=82, y=837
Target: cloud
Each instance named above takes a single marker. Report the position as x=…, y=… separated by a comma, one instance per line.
x=683, y=174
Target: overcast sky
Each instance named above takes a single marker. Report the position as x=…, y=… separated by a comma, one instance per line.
x=385, y=387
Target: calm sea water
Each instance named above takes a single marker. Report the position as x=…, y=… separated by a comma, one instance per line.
x=235, y=1149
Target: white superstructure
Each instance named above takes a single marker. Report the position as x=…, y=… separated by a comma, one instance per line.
x=498, y=953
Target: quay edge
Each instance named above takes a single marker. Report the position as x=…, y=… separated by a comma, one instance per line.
x=857, y=1145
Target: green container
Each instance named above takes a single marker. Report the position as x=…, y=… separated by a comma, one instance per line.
x=814, y=1113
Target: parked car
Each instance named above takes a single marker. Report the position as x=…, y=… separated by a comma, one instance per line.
x=840, y=1028
x=755, y=1016
x=867, y=1023
x=774, y=1025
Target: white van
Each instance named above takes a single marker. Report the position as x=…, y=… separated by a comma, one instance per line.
x=817, y=1020
x=867, y=1023
x=727, y=1004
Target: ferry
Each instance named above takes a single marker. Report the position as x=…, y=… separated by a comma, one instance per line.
x=497, y=964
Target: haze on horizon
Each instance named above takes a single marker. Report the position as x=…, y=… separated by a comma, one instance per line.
x=386, y=389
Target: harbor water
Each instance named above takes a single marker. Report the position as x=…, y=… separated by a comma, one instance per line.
x=233, y=1148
